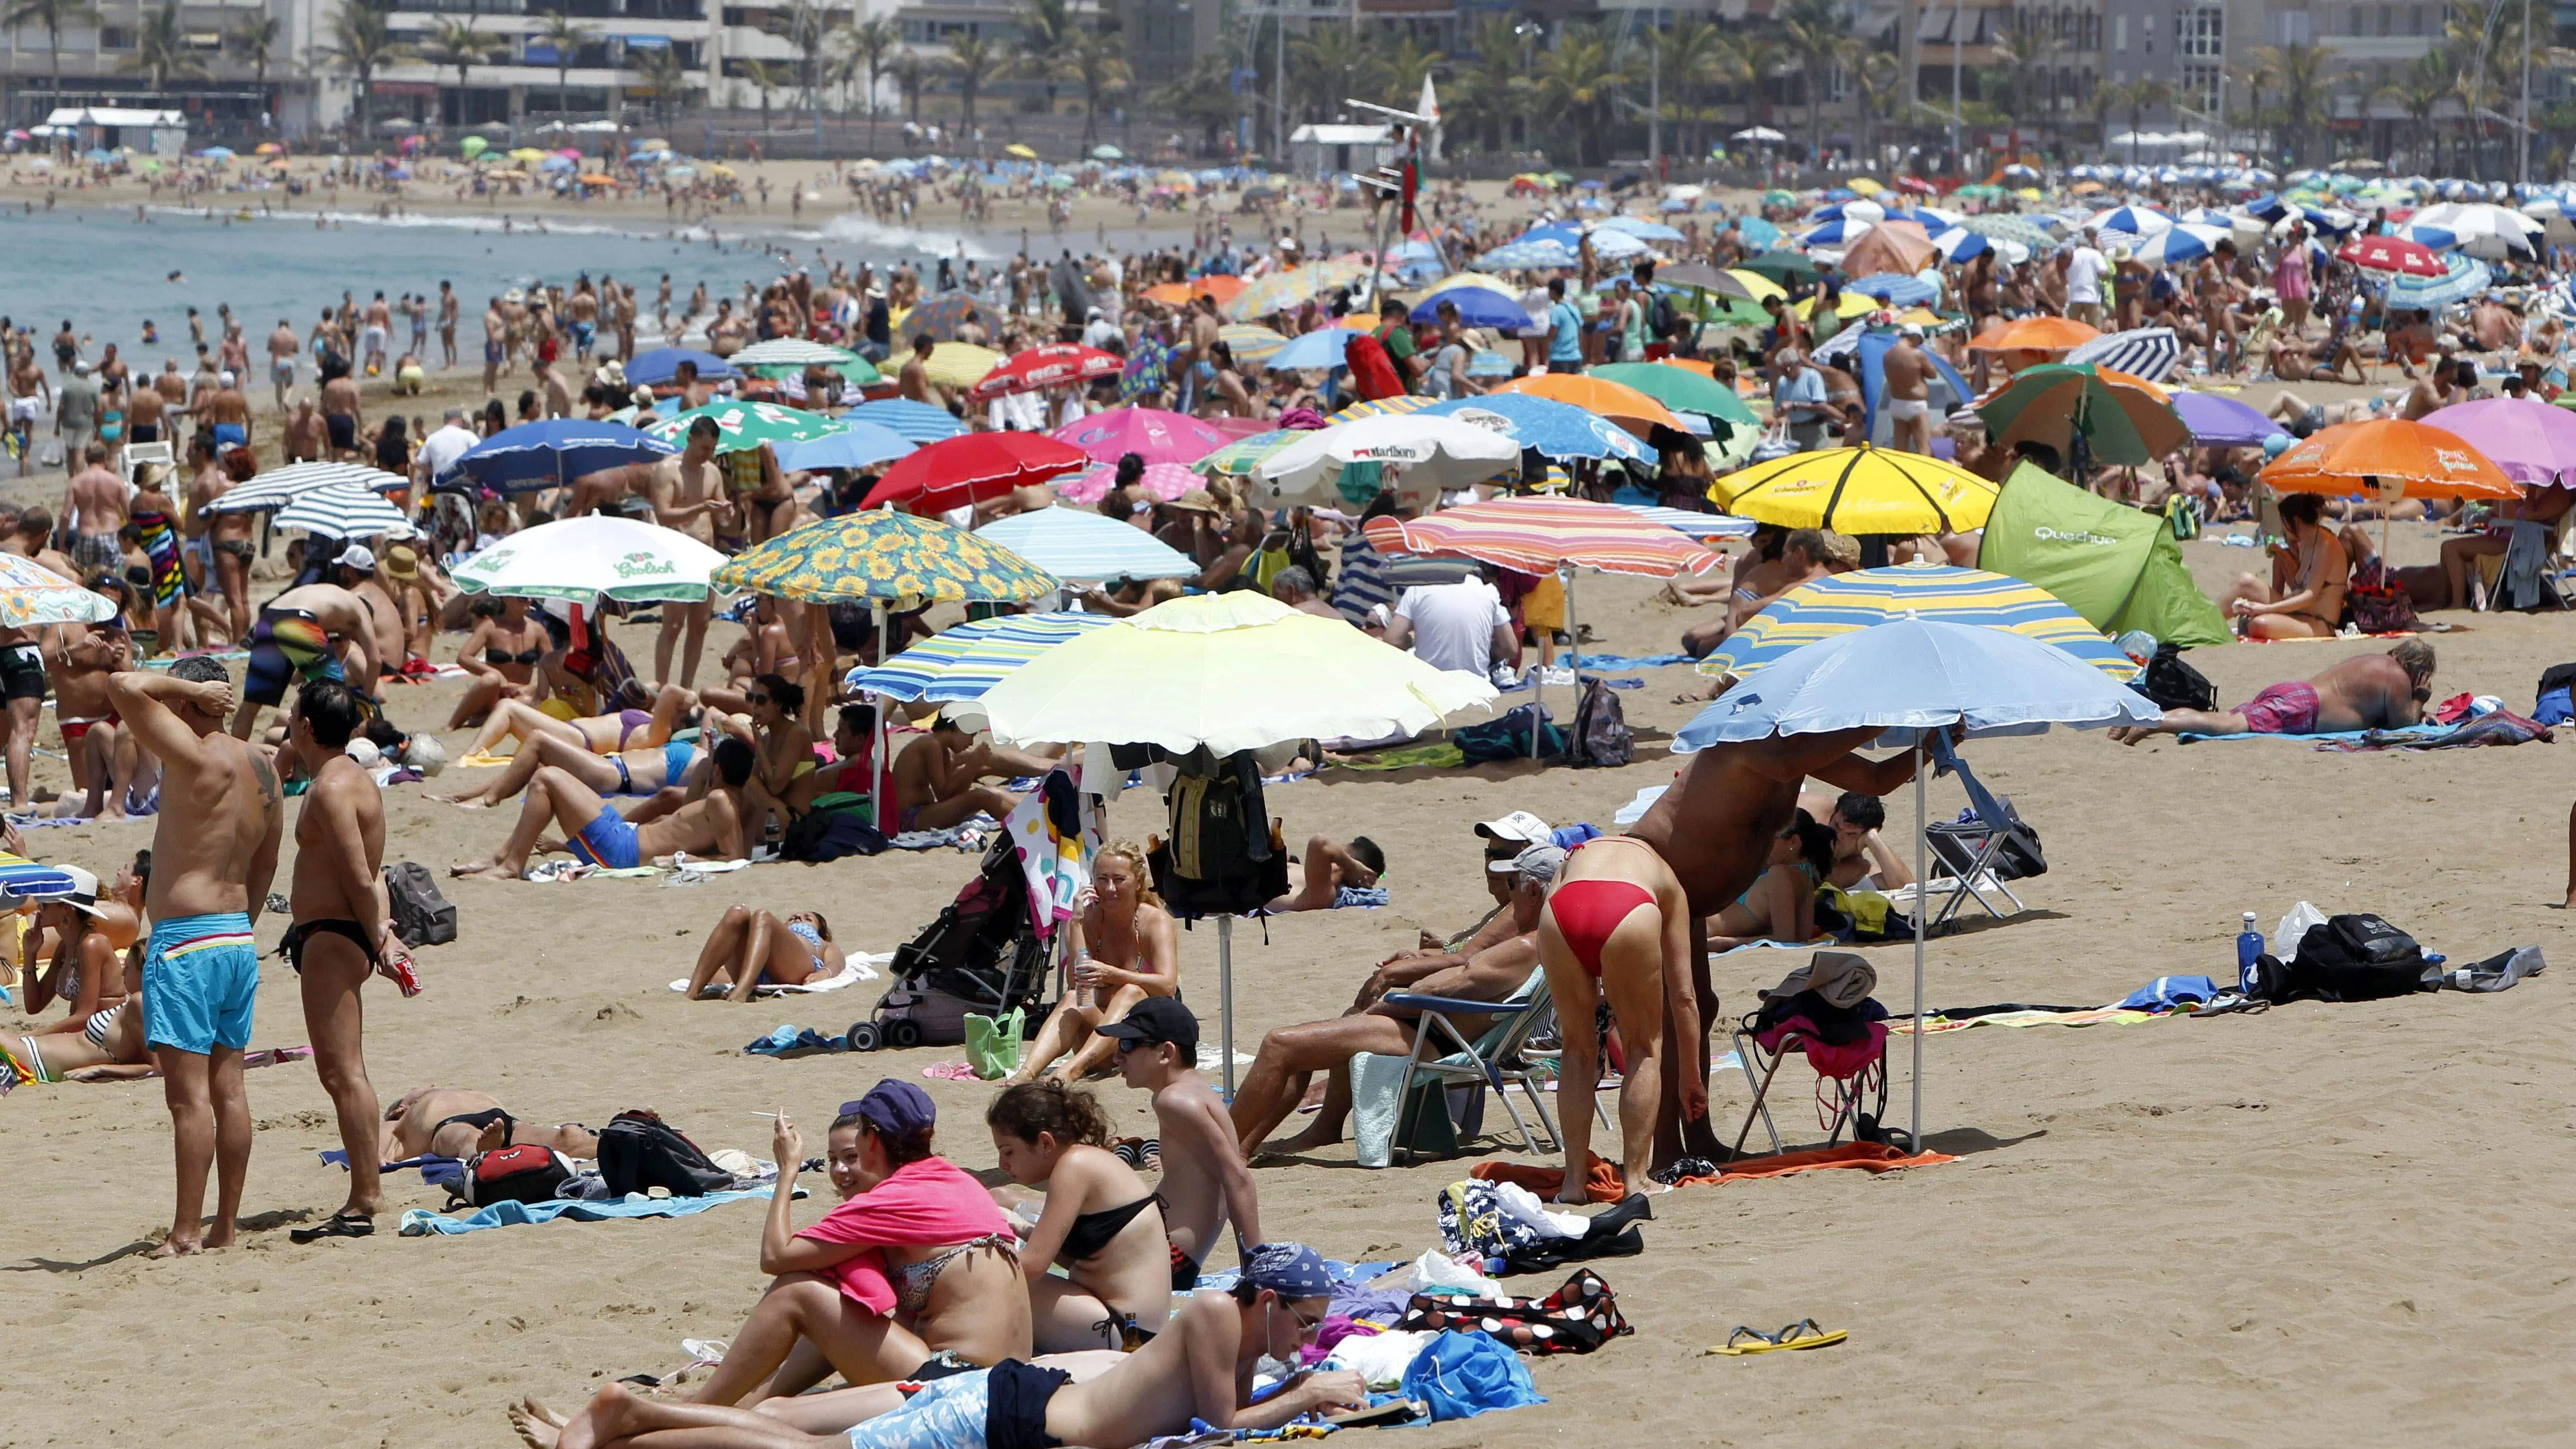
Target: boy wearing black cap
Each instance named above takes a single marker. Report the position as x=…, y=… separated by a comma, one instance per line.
x=1204, y=1178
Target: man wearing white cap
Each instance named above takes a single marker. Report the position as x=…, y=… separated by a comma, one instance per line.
x=1908, y=371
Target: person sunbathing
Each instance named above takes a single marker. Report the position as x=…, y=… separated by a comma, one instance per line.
x=1200, y=1368
x=1317, y=879
x=914, y=1276
x=2303, y=597
x=937, y=780
x=749, y=948
x=1616, y=928
x=2366, y=692
x=1781, y=904
x=673, y=765
x=1290, y=1055
x=459, y=1122
x=1124, y=947
x=110, y=1048
x=598, y=835
x=601, y=734
x=1099, y=1222
x=501, y=653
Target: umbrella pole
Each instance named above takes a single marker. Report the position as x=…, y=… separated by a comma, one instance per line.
x=877, y=771
x=1225, y=994
x=1922, y=889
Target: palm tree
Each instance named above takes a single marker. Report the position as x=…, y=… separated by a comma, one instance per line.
x=2139, y=97
x=1097, y=58
x=973, y=59
x=362, y=41
x=868, y=43
x=1327, y=65
x=2300, y=72
x=2419, y=90
x=566, y=37
x=460, y=44
x=1201, y=97
x=53, y=15
x=1814, y=32
x=1748, y=66
x=911, y=74
x=808, y=29
x=2106, y=101
x=659, y=74
x=1695, y=62
x=1878, y=85
x=1493, y=86
x=161, y=48
x=1042, y=35
x=2024, y=50
x=2257, y=75
x=1402, y=69
x=257, y=39
x=1578, y=79
x=769, y=76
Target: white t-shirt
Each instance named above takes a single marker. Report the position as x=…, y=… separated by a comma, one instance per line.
x=440, y=450
x=2084, y=269
x=1453, y=624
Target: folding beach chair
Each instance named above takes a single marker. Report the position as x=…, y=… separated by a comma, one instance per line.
x=1980, y=853
x=1851, y=1080
x=1492, y=1061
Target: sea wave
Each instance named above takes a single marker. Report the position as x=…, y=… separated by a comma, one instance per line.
x=850, y=228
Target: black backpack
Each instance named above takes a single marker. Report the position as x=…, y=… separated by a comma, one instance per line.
x=524, y=1172
x=638, y=1152
x=1601, y=733
x=1663, y=319
x=2173, y=684
x=422, y=917
x=2357, y=958
x=1221, y=859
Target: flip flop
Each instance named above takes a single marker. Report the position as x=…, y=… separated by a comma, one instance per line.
x=338, y=1225
x=1802, y=1334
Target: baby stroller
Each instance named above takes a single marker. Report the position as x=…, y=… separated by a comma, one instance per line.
x=982, y=955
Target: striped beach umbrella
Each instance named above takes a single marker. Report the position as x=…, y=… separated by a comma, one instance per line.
x=971, y=658
x=1252, y=346
x=1368, y=408
x=1697, y=525
x=1240, y=455
x=1844, y=602
x=916, y=422
x=1076, y=543
x=280, y=486
x=344, y=511
x=29, y=880
x=791, y=352
x=1535, y=535
x=2148, y=352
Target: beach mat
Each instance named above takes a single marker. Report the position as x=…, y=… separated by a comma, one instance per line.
x=2411, y=732
x=421, y=1222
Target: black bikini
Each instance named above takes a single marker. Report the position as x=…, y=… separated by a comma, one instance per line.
x=481, y=1122
x=301, y=934
x=1092, y=1232
x=502, y=658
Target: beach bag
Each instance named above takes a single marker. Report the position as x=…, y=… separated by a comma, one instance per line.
x=1222, y=858
x=1601, y=733
x=422, y=917
x=2551, y=704
x=1507, y=736
x=526, y=1172
x=2356, y=957
x=1461, y=1375
x=837, y=826
x=2182, y=515
x=993, y=1047
x=1372, y=371
x=638, y=1152
x=2382, y=611
x=2172, y=683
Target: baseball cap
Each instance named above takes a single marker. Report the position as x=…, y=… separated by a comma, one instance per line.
x=1537, y=864
x=1520, y=826
x=358, y=556
x=1911, y=329
x=1155, y=1020
x=896, y=1109
x=1291, y=1270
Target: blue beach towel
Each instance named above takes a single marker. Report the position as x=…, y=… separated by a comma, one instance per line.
x=420, y=1222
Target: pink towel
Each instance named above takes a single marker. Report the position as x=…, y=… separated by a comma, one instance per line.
x=927, y=1202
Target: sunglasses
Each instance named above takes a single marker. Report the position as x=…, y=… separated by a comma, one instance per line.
x=755, y=699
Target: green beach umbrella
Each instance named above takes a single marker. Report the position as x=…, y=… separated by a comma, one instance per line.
x=853, y=369
x=1789, y=269
x=2124, y=420
x=1680, y=389
x=742, y=426
x=1241, y=455
x=473, y=146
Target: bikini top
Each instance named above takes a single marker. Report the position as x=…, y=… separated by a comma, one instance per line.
x=499, y=657
x=1093, y=1232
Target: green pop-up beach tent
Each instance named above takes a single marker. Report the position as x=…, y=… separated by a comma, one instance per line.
x=2116, y=566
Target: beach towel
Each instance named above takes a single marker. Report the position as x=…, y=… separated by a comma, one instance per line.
x=2496, y=727
x=1936, y=1022
x=2327, y=737
x=929, y=1201
x=1870, y=1157
x=1605, y=662
x=1435, y=757
x=856, y=966
x=421, y=1222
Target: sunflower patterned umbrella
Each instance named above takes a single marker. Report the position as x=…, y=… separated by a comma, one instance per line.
x=877, y=554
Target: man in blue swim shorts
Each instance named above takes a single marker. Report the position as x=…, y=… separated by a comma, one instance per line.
x=708, y=821
x=214, y=849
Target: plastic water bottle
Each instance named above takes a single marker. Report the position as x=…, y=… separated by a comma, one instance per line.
x=2249, y=945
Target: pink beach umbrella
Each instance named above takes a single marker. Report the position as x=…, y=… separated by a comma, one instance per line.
x=1164, y=481
x=2531, y=441
x=1150, y=433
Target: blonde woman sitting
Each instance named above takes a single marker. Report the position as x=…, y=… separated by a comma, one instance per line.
x=1124, y=948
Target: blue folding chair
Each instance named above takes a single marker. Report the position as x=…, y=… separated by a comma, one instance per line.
x=1978, y=849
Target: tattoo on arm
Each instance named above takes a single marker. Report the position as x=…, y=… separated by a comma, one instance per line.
x=269, y=796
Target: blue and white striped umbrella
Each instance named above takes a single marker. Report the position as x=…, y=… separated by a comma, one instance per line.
x=1836, y=234
x=1960, y=245
x=345, y=511
x=659, y=365
x=2182, y=242
x=280, y=486
x=2135, y=220
x=2147, y=352
x=915, y=421
x=1697, y=525
x=2481, y=229
x=1076, y=543
x=2467, y=278
x=1895, y=289
x=1554, y=429
x=856, y=445
x=971, y=658
x=1527, y=256
x=28, y=880
x=1858, y=210
x=1477, y=307
x=1640, y=228
x=1311, y=351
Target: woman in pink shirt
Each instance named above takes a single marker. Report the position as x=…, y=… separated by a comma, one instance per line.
x=2290, y=278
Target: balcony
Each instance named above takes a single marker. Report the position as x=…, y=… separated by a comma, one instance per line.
x=577, y=9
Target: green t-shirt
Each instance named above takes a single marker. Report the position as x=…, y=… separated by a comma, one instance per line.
x=1397, y=340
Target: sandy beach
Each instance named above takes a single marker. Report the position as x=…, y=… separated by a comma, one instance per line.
x=2322, y=1224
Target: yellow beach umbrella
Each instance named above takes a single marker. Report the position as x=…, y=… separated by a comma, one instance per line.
x=960, y=364
x=1851, y=304
x=1019, y=150
x=1858, y=491
x=1757, y=284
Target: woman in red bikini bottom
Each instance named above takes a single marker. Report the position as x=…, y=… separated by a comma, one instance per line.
x=1617, y=925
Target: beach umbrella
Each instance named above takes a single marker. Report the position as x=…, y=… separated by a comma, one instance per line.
x=2392, y=254
x=1054, y=364
x=2389, y=459
x=1696, y=525
x=1844, y=602
x=1896, y=289
x=1681, y=389
x=943, y=315
x=1859, y=491
x=740, y=427
x=1252, y=346
x=2140, y=221
x=1898, y=245
x=2149, y=352
x=1847, y=305
x=1153, y=434
x=344, y=511
x=469, y=148
x=1314, y=350
x=1162, y=481
x=659, y=365
x=1518, y=256
x=32, y=594
x=854, y=445
x=585, y=559
x=2466, y=277
x=854, y=370
x=2481, y=229
x=1240, y=456
x=791, y=352
x=1786, y=269
x=1433, y=454
x=2124, y=421
x=1912, y=677
x=22, y=879
x=2034, y=334
x=1380, y=407
x=1216, y=285
x=2006, y=226
x=1703, y=278
x=1286, y=291
x=1106, y=152
x=1076, y=543
x=2182, y=242
x=1552, y=429
x=1476, y=308
x=1487, y=280
x=1616, y=401
x=955, y=366
x=917, y=422
x=2222, y=422
x=280, y=486
x=968, y=660
x=972, y=468
x=880, y=554
x=553, y=453
x=2528, y=440
x=1837, y=233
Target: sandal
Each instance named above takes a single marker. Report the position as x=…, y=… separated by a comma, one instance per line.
x=339, y=1225
x=1802, y=1334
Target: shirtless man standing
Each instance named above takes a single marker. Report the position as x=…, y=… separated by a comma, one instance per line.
x=343, y=933
x=282, y=347
x=687, y=492
x=343, y=418
x=375, y=336
x=355, y=570
x=1909, y=392
x=227, y=412
x=447, y=317
x=1205, y=1182
x=1714, y=828
x=302, y=442
x=22, y=686
x=214, y=850
x=313, y=632
x=496, y=344
x=144, y=409
x=104, y=760
x=583, y=311
x=2366, y=692
x=913, y=381
x=93, y=511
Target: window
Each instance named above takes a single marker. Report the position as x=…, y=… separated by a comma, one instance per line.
x=2202, y=33
x=2414, y=19
x=2120, y=33
x=2147, y=28
x=2198, y=86
x=115, y=37
x=2387, y=19
x=2289, y=27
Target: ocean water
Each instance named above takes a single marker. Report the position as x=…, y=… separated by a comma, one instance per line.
x=110, y=273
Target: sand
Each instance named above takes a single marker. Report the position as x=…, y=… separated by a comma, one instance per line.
x=2317, y=1225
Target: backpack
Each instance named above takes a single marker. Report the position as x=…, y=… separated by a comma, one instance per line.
x=1372, y=372
x=1507, y=736
x=1601, y=733
x=422, y=917
x=1222, y=858
x=525, y=1172
x=638, y=1152
x=2173, y=684
x=1663, y=319
x=2356, y=957
x=837, y=826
